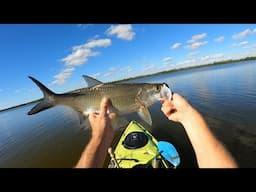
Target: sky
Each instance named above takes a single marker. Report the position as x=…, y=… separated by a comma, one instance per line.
x=59, y=54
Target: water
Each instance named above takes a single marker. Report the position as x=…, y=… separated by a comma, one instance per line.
x=224, y=94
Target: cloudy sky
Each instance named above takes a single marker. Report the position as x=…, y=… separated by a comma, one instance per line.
x=59, y=54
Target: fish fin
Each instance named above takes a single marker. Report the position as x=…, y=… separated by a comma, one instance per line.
x=113, y=109
x=81, y=117
x=43, y=105
x=91, y=82
x=85, y=124
x=144, y=113
x=119, y=122
x=48, y=100
x=143, y=110
x=83, y=121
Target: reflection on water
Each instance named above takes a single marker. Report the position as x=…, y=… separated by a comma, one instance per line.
x=224, y=94
x=44, y=140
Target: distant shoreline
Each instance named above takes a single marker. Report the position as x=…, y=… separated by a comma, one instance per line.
x=34, y=101
x=153, y=74
x=186, y=68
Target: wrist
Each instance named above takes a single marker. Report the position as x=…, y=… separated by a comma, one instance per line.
x=188, y=116
x=102, y=136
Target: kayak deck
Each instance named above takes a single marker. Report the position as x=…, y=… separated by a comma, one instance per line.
x=136, y=148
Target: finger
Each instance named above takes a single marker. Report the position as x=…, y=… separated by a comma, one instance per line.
x=168, y=109
x=104, y=106
x=161, y=100
x=92, y=116
x=165, y=110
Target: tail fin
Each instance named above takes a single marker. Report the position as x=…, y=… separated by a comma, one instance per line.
x=48, y=100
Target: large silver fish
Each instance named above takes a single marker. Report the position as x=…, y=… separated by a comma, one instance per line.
x=126, y=97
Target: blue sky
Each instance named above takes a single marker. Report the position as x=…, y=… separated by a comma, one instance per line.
x=59, y=54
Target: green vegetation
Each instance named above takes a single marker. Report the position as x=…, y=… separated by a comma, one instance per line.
x=162, y=72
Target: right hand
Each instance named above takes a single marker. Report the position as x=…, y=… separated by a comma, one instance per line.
x=177, y=109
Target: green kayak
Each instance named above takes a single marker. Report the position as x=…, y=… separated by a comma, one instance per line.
x=137, y=148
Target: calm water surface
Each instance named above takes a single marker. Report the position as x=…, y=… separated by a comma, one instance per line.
x=224, y=94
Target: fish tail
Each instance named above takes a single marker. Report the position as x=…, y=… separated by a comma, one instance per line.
x=48, y=100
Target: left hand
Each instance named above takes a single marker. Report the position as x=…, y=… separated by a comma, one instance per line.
x=101, y=122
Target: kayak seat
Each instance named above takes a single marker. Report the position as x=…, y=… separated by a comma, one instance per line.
x=135, y=140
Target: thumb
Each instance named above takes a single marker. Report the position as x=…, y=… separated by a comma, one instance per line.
x=162, y=100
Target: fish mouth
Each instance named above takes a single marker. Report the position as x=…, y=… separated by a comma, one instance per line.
x=166, y=85
x=166, y=92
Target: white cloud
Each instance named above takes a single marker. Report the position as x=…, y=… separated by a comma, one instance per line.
x=167, y=59
x=126, y=69
x=93, y=43
x=78, y=57
x=121, y=31
x=107, y=74
x=150, y=68
x=201, y=60
x=211, y=58
x=254, y=31
x=218, y=55
x=219, y=39
x=253, y=46
x=192, y=54
x=195, y=38
x=243, y=43
x=176, y=45
x=242, y=34
x=63, y=75
x=241, y=55
x=112, y=69
x=98, y=43
x=80, y=53
x=196, y=45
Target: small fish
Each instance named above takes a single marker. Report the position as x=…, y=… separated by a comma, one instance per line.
x=126, y=97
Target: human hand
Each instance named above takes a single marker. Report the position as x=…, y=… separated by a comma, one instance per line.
x=101, y=122
x=177, y=109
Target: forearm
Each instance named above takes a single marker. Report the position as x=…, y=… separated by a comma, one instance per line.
x=94, y=154
x=209, y=151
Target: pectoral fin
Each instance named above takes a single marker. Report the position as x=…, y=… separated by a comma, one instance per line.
x=143, y=112
x=81, y=117
x=119, y=123
x=84, y=121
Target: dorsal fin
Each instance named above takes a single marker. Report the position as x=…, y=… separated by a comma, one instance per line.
x=91, y=82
